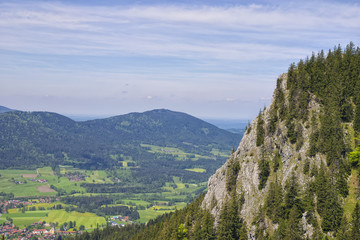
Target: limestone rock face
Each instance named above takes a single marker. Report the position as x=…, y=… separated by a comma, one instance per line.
x=248, y=155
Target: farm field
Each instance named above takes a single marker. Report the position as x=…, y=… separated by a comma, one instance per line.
x=178, y=153
x=149, y=205
x=89, y=220
x=25, y=219
x=18, y=182
x=146, y=215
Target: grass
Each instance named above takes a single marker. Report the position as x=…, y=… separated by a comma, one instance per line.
x=136, y=202
x=25, y=219
x=45, y=171
x=148, y=214
x=50, y=205
x=153, y=212
x=19, y=190
x=180, y=154
x=216, y=152
x=98, y=176
x=163, y=208
x=178, y=183
x=351, y=199
x=68, y=186
x=178, y=195
x=89, y=220
x=198, y=170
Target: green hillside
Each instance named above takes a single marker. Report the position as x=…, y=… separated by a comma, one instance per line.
x=30, y=140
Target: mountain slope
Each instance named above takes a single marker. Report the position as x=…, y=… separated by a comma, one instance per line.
x=34, y=139
x=165, y=128
x=292, y=165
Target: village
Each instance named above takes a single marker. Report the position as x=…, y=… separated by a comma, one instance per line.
x=42, y=229
x=10, y=231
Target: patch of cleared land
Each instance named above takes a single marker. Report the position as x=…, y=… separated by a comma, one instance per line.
x=29, y=175
x=45, y=188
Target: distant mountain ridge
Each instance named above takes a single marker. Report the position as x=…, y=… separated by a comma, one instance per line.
x=35, y=139
x=5, y=109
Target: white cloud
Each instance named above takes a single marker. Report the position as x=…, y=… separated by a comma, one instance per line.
x=226, y=54
x=215, y=32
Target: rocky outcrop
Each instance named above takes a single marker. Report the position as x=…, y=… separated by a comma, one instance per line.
x=248, y=154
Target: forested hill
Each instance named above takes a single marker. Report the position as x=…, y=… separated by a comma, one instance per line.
x=165, y=128
x=35, y=139
x=296, y=172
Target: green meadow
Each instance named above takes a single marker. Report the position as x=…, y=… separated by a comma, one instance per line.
x=176, y=192
x=27, y=188
x=146, y=215
x=89, y=220
x=199, y=170
x=25, y=219
x=178, y=153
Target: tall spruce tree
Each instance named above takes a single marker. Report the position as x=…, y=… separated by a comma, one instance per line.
x=264, y=168
x=294, y=230
x=292, y=196
x=204, y=227
x=231, y=225
x=273, y=202
x=357, y=115
x=260, y=130
x=355, y=222
x=333, y=212
x=343, y=230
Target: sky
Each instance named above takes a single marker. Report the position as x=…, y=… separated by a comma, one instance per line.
x=210, y=59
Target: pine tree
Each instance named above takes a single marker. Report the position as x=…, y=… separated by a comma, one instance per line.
x=264, y=168
x=333, y=212
x=276, y=161
x=357, y=115
x=204, y=226
x=322, y=189
x=308, y=202
x=260, y=131
x=273, y=202
x=355, y=230
x=291, y=196
x=343, y=230
x=293, y=227
x=208, y=226
x=280, y=232
x=243, y=233
x=341, y=183
x=232, y=174
x=306, y=166
x=331, y=132
x=231, y=225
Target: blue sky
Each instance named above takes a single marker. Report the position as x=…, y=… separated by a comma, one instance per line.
x=211, y=59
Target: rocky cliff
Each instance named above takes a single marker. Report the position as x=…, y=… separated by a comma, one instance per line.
x=284, y=142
